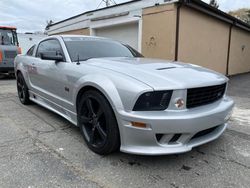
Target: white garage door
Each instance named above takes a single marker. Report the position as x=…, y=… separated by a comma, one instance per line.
x=125, y=33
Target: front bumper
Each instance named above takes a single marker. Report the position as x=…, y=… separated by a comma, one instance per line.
x=170, y=132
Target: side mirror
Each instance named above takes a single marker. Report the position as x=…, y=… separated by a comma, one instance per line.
x=54, y=57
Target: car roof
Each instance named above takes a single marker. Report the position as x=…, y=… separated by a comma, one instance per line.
x=82, y=36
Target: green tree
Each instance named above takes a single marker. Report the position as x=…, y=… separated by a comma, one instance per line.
x=214, y=3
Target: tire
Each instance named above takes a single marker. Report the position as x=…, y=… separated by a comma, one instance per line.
x=97, y=123
x=22, y=89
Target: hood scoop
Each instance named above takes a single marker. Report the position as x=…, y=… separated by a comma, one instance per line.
x=164, y=68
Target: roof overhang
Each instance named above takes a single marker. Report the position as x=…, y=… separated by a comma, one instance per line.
x=214, y=12
x=197, y=5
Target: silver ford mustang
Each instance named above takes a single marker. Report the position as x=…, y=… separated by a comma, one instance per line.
x=121, y=100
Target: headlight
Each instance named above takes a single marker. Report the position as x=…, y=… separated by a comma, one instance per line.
x=153, y=101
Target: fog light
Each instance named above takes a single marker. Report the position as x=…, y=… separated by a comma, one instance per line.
x=179, y=103
x=139, y=124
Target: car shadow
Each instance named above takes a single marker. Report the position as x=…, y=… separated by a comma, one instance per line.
x=7, y=77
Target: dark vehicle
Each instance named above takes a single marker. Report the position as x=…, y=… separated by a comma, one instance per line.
x=8, y=49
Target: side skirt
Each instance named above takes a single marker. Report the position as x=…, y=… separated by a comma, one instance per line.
x=42, y=101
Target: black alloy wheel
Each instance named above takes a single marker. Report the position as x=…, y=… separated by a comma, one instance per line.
x=98, y=123
x=22, y=90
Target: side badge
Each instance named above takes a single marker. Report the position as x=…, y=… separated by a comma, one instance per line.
x=66, y=89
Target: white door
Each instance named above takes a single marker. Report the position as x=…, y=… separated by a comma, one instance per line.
x=125, y=33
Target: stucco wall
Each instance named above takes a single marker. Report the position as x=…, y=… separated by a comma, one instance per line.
x=239, y=59
x=158, y=31
x=203, y=40
x=84, y=31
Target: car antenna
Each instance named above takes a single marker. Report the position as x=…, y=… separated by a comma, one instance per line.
x=78, y=60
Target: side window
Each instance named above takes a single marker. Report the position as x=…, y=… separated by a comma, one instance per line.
x=30, y=51
x=51, y=46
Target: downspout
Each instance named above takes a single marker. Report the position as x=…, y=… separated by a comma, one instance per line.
x=229, y=48
x=177, y=30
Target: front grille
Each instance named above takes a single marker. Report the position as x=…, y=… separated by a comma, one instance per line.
x=204, y=95
x=10, y=54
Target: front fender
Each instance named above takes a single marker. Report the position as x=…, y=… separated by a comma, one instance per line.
x=19, y=66
x=104, y=85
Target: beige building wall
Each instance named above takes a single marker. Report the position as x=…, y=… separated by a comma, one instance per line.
x=84, y=31
x=239, y=59
x=158, y=31
x=203, y=40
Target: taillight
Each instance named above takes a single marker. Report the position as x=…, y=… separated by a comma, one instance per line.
x=19, y=50
x=1, y=56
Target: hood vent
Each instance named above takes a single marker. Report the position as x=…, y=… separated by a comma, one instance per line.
x=164, y=68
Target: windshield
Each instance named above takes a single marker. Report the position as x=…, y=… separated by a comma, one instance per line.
x=8, y=37
x=82, y=48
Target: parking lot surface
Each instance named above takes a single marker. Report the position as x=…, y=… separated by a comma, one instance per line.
x=40, y=149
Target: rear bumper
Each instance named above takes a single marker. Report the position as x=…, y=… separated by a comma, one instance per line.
x=6, y=69
x=7, y=66
x=157, y=138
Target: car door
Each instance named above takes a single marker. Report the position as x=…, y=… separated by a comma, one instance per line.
x=48, y=76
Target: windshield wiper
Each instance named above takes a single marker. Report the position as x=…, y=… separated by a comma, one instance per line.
x=87, y=59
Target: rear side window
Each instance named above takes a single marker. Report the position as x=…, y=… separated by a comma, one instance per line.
x=50, y=46
x=31, y=51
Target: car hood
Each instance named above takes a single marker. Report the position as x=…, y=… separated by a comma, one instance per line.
x=161, y=74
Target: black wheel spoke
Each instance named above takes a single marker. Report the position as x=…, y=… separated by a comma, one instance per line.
x=99, y=112
x=92, y=136
x=20, y=82
x=19, y=85
x=85, y=119
x=21, y=94
x=101, y=132
x=90, y=106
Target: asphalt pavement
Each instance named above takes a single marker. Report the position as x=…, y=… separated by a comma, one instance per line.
x=40, y=149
